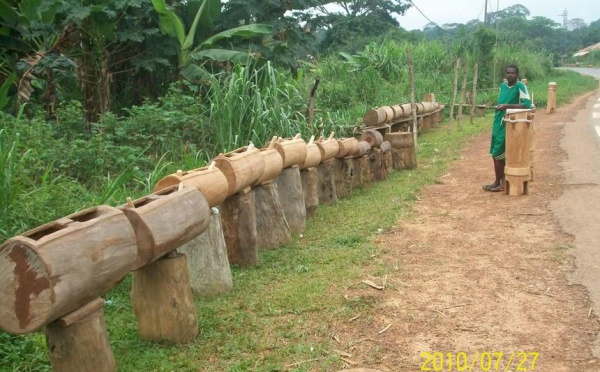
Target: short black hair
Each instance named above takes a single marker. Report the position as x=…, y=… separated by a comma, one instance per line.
x=513, y=66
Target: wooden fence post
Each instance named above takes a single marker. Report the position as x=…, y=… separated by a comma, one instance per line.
x=474, y=92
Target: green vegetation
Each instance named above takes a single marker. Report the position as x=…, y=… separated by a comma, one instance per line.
x=100, y=100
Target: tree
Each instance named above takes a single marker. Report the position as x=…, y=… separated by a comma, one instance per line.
x=29, y=34
x=188, y=51
x=365, y=7
x=514, y=11
x=351, y=33
x=576, y=24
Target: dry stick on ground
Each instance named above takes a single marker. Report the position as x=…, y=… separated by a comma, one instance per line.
x=303, y=361
x=454, y=95
x=474, y=91
x=413, y=106
x=463, y=89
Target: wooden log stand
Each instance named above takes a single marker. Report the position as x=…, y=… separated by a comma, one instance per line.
x=291, y=197
x=326, y=187
x=238, y=214
x=402, y=150
x=518, y=141
x=531, y=153
x=272, y=229
x=551, y=104
x=162, y=300
x=343, y=174
x=362, y=169
x=376, y=164
x=310, y=189
x=387, y=161
x=208, y=266
x=79, y=341
x=309, y=177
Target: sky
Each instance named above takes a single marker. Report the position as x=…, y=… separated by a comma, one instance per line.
x=462, y=11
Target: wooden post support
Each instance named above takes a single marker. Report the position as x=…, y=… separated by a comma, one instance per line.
x=208, y=265
x=238, y=214
x=454, y=90
x=311, y=103
x=386, y=160
x=291, y=197
x=362, y=169
x=474, y=91
x=310, y=189
x=349, y=171
x=79, y=341
x=272, y=229
x=376, y=165
x=411, y=75
x=425, y=124
x=326, y=188
x=463, y=90
x=551, y=105
x=402, y=149
x=343, y=174
x=162, y=300
x=518, y=141
x=479, y=111
x=531, y=152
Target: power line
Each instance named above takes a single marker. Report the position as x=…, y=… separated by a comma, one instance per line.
x=427, y=18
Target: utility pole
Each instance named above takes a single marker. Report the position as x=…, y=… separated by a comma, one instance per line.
x=485, y=16
x=565, y=18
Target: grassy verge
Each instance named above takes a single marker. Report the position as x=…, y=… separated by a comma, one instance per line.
x=281, y=311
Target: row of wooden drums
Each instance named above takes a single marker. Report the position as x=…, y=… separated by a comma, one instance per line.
x=61, y=266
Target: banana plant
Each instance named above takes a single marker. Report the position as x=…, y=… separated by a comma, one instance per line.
x=189, y=51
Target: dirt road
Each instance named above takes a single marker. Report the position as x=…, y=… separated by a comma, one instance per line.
x=483, y=273
x=578, y=208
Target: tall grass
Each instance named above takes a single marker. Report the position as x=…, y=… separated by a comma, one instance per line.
x=253, y=105
x=7, y=184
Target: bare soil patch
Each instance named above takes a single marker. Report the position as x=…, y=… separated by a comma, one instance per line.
x=477, y=272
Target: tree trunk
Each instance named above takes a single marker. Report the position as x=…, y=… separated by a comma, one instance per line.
x=94, y=77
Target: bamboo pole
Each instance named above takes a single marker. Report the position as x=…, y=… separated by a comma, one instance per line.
x=463, y=89
x=474, y=91
x=454, y=94
x=413, y=107
x=311, y=103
